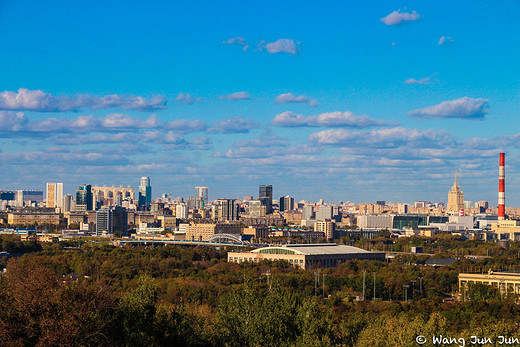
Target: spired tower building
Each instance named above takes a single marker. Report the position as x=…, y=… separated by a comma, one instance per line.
x=455, y=197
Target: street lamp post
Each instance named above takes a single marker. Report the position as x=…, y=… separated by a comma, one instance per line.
x=374, y=286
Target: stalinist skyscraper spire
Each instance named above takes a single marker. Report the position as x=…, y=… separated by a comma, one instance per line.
x=455, y=197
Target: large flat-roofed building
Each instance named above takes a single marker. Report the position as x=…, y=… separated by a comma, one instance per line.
x=507, y=282
x=30, y=218
x=306, y=256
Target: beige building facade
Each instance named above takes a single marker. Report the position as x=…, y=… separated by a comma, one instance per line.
x=203, y=232
x=32, y=218
x=505, y=282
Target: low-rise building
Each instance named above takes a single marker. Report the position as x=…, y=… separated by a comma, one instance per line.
x=507, y=282
x=203, y=232
x=31, y=218
x=306, y=256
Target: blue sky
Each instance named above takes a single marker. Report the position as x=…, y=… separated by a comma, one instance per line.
x=340, y=101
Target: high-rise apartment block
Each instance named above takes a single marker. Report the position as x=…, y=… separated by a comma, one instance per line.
x=181, y=211
x=307, y=212
x=203, y=192
x=227, y=210
x=324, y=212
x=54, y=195
x=326, y=226
x=286, y=203
x=68, y=203
x=110, y=220
x=265, y=194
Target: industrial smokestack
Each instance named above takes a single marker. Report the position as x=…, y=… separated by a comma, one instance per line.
x=502, y=187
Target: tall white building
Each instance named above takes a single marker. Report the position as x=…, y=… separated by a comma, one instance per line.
x=181, y=211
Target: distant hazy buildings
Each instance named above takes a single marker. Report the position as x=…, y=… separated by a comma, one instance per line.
x=112, y=196
x=324, y=212
x=307, y=212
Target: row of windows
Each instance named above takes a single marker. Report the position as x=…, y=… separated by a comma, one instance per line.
x=296, y=262
x=276, y=251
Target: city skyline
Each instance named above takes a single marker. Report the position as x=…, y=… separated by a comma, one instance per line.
x=371, y=104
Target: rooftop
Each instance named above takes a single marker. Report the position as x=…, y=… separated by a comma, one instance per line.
x=311, y=249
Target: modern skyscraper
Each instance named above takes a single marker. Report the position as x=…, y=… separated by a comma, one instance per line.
x=286, y=203
x=265, y=194
x=227, y=210
x=203, y=192
x=110, y=220
x=84, y=198
x=145, y=193
x=455, y=198
x=68, y=201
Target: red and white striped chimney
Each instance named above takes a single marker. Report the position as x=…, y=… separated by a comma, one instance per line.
x=502, y=187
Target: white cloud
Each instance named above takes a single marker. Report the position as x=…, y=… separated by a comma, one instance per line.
x=187, y=98
x=281, y=46
x=12, y=121
x=263, y=141
x=466, y=108
x=237, y=41
x=232, y=125
x=236, y=96
x=426, y=80
x=186, y=125
x=39, y=101
x=445, y=40
x=398, y=17
x=328, y=120
x=118, y=120
x=383, y=138
x=291, y=98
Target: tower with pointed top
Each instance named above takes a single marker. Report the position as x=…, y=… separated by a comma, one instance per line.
x=455, y=197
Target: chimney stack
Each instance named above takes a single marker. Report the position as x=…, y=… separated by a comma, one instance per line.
x=502, y=187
